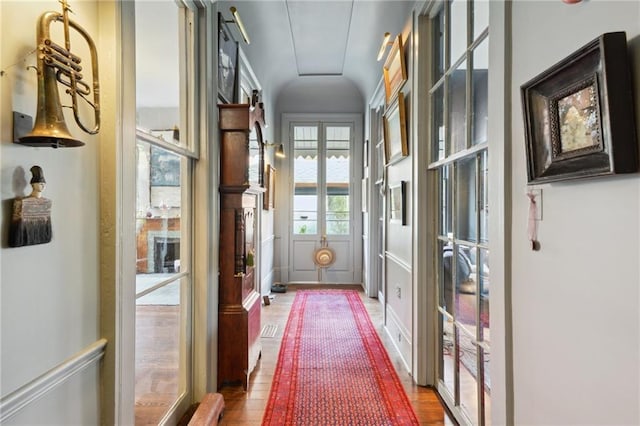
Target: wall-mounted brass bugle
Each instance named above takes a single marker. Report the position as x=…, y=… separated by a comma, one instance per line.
x=55, y=64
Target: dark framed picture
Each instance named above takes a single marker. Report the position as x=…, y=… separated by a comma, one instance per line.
x=398, y=202
x=227, y=63
x=394, y=70
x=578, y=115
x=164, y=167
x=395, y=130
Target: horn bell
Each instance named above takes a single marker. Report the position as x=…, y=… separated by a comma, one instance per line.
x=50, y=128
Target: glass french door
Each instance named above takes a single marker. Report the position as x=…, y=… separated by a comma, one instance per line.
x=322, y=200
x=165, y=157
x=459, y=159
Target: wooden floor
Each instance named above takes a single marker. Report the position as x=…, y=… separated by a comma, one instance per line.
x=247, y=408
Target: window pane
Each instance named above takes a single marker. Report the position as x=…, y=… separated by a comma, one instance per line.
x=158, y=210
x=480, y=17
x=457, y=107
x=438, y=46
x=158, y=350
x=458, y=31
x=337, y=179
x=438, y=147
x=446, y=207
x=480, y=93
x=158, y=81
x=466, y=200
x=305, y=175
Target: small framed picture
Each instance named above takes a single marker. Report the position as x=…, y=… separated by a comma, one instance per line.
x=578, y=115
x=398, y=202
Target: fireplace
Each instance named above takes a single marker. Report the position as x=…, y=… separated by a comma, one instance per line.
x=166, y=254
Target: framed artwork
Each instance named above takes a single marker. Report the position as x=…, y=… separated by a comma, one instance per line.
x=269, y=196
x=395, y=130
x=164, y=167
x=578, y=115
x=397, y=200
x=227, y=63
x=394, y=70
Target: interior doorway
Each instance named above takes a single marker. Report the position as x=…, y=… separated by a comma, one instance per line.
x=324, y=217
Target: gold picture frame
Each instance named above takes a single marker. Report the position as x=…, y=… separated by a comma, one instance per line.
x=395, y=130
x=394, y=70
x=269, y=196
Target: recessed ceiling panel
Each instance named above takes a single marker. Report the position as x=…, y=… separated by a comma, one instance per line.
x=320, y=33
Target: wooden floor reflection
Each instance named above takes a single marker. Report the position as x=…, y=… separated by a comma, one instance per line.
x=157, y=361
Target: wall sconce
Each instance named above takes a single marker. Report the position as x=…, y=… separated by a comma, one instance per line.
x=279, y=149
x=385, y=43
x=236, y=19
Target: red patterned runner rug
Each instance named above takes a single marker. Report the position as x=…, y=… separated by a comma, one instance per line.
x=333, y=369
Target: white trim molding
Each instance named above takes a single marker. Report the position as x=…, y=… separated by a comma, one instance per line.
x=38, y=387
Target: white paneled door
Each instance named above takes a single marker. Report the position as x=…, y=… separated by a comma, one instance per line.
x=322, y=204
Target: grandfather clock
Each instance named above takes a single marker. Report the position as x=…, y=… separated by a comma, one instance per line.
x=241, y=181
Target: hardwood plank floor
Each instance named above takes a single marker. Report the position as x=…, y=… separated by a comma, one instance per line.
x=247, y=408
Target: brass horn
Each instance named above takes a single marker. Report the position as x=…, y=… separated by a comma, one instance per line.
x=57, y=64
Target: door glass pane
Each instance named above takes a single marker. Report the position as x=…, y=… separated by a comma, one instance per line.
x=438, y=147
x=447, y=348
x=485, y=287
x=466, y=298
x=484, y=197
x=458, y=31
x=446, y=290
x=480, y=93
x=466, y=200
x=480, y=17
x=338, y=144
x=468, y=365
x=457, y=107
x=305, y=180
x=485, y=361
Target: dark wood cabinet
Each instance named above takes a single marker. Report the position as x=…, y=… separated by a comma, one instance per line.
x=239, y=299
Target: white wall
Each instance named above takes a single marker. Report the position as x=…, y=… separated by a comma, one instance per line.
x=576, y=325
x=49, y=292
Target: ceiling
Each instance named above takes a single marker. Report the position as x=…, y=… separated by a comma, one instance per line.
x=297, y=40
x=317, y=49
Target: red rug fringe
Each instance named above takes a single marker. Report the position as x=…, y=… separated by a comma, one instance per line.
x=333, y=369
